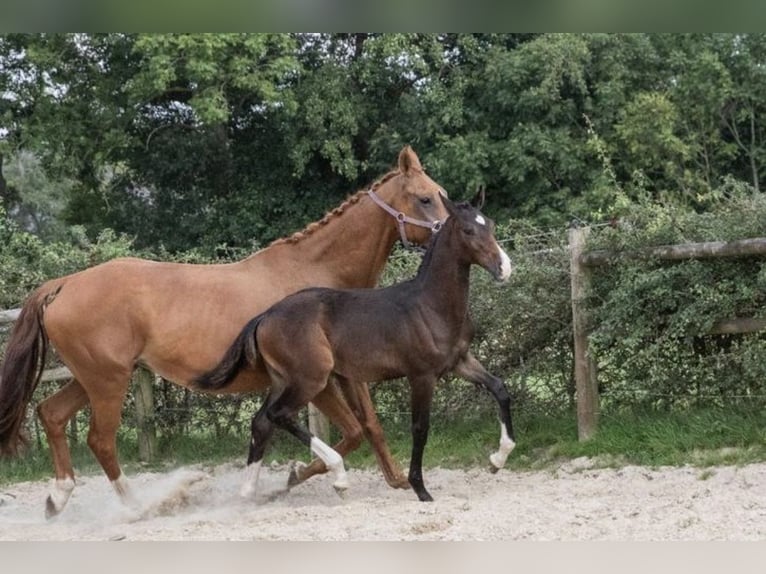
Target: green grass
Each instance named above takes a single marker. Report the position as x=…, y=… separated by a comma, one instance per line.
x=700, y=437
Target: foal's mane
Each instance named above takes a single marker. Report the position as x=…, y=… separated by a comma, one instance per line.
x=311, y=228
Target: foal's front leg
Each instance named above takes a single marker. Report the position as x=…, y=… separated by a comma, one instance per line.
x=472, y=370
x=421, y=394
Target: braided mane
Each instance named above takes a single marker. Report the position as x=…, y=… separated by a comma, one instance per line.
x=330, y=215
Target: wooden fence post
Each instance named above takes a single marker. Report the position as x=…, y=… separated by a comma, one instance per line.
x=146, y=430
x=319, y=426
x=586, y=383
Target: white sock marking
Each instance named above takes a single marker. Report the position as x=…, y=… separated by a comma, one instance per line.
x=332, y=459
x=62, y=490
x=122, y=488
x=506, y=446
x=251, y=479
x=505, y=264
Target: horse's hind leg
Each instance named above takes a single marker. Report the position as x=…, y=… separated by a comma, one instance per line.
x=358, y=396
x=54, y=413
x=106, y=410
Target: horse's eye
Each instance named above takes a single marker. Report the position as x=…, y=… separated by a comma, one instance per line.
x=469, y=230
x=425, y=200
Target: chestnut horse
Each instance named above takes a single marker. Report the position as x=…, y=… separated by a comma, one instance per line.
x=178, y=320
x=420, y=329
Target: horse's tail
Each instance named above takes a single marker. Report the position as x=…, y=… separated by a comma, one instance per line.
x=23, y=367
x=243, y=352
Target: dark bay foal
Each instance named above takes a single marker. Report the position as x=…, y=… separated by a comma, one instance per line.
x=419, y=329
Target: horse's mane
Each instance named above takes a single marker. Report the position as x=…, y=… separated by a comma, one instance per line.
x=311, y=228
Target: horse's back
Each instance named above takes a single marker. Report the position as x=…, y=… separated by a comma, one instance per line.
x=160, y=313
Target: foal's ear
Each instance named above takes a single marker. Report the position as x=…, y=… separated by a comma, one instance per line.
x=449, y=206
x=478, y=199
x=408, y=161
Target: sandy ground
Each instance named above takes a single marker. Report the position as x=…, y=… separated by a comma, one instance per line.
x=572, y=501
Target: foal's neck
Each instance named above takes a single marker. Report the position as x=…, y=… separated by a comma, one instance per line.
x=444, y=279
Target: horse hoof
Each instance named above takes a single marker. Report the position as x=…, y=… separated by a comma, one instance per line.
x=425, y=497
x=497, y=461
x=341, y=485
x=493, y=469
x=293, y=479
x=275, y=494
x=341, y=491
x=50, y=509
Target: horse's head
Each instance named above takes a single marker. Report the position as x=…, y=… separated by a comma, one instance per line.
x=474, y=237
x=413, y=198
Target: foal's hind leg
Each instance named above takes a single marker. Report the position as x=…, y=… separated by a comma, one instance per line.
x=282, y=413
x=334, y=406
x=54, y=413
x=331, y=403
x=261, y=430
x=472, y=370
x=421, y=394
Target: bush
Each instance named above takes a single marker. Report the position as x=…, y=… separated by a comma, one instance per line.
x=651, y=318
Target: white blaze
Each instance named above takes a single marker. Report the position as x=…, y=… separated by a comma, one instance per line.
x=505, y=263
x=480, y=220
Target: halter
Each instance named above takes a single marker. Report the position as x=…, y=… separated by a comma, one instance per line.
x=402, y=218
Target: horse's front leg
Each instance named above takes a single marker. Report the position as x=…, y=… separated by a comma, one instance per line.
x=421, y=394
x=472, y=370
x=358, y=397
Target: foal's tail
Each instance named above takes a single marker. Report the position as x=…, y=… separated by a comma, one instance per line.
x=22, y=368
x=243, y=352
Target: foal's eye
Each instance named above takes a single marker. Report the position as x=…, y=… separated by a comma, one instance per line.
x=469, y=230
x=425, y=200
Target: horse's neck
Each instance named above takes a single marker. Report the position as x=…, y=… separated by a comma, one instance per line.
x=351, y=248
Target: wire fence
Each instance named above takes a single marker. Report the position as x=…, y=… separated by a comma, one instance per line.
x=524, y=335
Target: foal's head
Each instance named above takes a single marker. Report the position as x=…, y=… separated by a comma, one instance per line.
x=474, y=240
x=412, y=192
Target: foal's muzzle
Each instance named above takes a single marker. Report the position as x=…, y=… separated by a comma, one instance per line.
x=503, y=269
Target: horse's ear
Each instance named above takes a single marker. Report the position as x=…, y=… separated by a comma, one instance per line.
x=408, y=161
x=478, y=199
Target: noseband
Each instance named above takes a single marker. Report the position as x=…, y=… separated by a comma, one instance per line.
x=402, y=218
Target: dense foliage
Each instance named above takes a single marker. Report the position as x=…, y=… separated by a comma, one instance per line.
x=651, y=318
x=203, y=147
x=187, y=140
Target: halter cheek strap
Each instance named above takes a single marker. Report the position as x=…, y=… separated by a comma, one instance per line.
x=402, y=218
